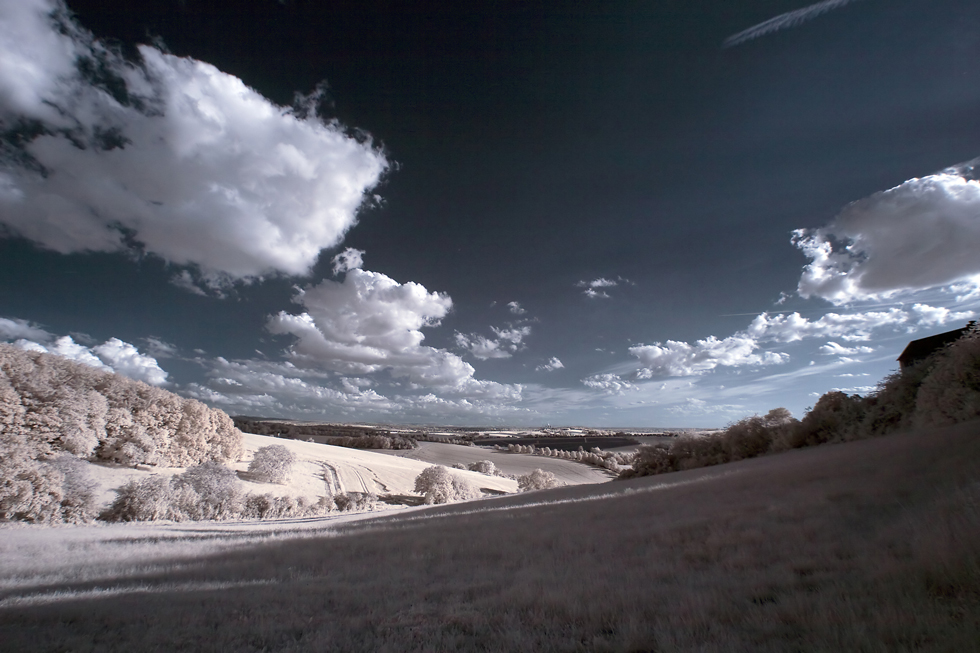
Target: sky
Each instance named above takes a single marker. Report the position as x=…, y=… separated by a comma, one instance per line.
x=616, y=214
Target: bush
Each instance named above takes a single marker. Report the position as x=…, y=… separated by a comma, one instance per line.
x=207, y=491
x=484, y=467
x=439, y=486
x=272, y=464
x=537, y=480
x=835, y=417
x=144, y=500
x=352, y=501
x=651, y=459
x=77, y=489
x=266, y=506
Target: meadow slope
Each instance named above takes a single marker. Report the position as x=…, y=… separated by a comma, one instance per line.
x=866, y=546
x=320, y=469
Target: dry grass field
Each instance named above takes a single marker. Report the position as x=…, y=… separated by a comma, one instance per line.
x=866, y=546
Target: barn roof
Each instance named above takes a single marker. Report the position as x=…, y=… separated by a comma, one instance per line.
x=920, y=349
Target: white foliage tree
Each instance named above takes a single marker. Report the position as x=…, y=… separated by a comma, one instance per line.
x=537, y=480
x=484, y=467
x=272, y=464
x=50, y=405
x=438, y=485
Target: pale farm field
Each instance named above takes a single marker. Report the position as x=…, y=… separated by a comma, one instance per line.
x=438, y=453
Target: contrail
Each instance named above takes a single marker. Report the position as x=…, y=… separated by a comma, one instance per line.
x=782, y=21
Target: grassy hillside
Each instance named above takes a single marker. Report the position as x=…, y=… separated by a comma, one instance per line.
x=863, y=546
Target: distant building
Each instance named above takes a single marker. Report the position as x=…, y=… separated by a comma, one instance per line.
x=922, y=348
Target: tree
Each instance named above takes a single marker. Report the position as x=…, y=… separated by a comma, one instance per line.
x=272, y=464
x=439, y=486
x=484, y=467
x=537, y=480
x=207, y=491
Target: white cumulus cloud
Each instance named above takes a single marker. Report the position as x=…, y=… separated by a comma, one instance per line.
x=370, y=322
x=516, y=308
x=609, y=383
x=675, y=358
x=834, y=349
x=113, y=355
x=167, y=152
x=125, y=359
x=792, y=327
x=922, y=234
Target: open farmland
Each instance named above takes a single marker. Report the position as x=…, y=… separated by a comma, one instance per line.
x=869, y=545
x=319, y=470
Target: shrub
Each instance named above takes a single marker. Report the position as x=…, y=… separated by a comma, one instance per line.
x=835, y=417
x=207, y=491
x=484, y=467
x=352, y=501
x=77, y=489
x=537, y=480
x=272, y=464
x=439, y=486
x=143, y=500
x=266, y=506
x=651, y=459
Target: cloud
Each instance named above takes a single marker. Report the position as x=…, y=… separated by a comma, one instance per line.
x=695, y=406
x=160, y=349
x=125, y=359
x=938, y=316
x=834, y=349
x=113, y=355
x=14, y=329
x=481, y=347
x=65, y=346
x=791, y=327
x=508, y=342
x=743, y=348
x=601, y=282
x=367, y=323
x=856, y=390
x=590, y=287
x=784, y=21
x=924, y=233
x=682, y=359
x=282, y=388
x=550, y=366
x=609, y=383
x=166, y=154
x=349, y=259
x=515, y=308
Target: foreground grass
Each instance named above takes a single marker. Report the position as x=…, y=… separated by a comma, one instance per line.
x=865, y=546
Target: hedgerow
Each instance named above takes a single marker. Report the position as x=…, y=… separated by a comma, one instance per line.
x=943, y=389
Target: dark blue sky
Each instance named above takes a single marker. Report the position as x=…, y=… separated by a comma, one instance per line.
x=568, y=212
